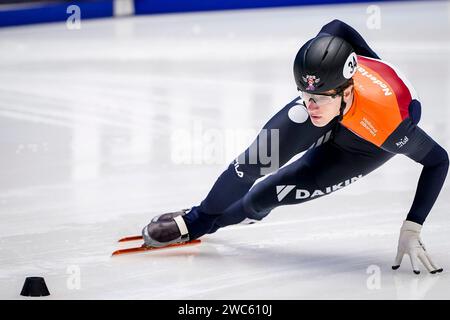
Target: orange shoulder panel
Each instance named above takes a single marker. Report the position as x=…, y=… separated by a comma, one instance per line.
x=377, y=109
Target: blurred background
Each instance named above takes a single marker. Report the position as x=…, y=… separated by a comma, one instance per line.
x=112, y=112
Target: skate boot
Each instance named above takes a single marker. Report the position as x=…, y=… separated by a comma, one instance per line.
x=166, y=229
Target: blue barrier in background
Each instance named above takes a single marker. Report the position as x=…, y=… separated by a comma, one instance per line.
x=51, y=12
x=168, y=6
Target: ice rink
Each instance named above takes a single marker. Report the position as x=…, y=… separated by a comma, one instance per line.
x=104, y=127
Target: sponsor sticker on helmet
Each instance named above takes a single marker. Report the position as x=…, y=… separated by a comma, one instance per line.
x=311, y=81
x=350, y=66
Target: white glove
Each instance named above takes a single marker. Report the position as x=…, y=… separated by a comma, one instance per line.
x=410, y=243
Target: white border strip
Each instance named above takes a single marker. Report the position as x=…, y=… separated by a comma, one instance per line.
x=123, y=8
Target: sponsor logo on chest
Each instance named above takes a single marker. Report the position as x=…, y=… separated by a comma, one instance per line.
x=367, y=124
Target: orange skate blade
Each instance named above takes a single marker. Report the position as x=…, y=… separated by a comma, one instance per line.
x=145, y=248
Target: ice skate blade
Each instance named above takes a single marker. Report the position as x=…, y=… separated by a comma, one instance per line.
x=145, y=248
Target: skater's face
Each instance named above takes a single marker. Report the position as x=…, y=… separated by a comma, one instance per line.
x=324, y=107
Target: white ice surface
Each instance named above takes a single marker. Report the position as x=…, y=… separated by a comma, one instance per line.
x=92, y=122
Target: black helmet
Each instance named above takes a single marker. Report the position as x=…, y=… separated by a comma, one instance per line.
x=324, y=63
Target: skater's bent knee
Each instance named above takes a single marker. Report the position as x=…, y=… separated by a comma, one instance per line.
x=252, y=211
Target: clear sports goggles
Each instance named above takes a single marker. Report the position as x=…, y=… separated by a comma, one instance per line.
x=319, y=99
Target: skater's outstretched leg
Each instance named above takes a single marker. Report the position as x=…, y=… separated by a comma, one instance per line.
x=225, y=197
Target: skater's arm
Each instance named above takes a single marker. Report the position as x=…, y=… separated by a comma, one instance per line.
x=435, y=167
x=344, y=31
x=412, y=141
x=423, y=149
